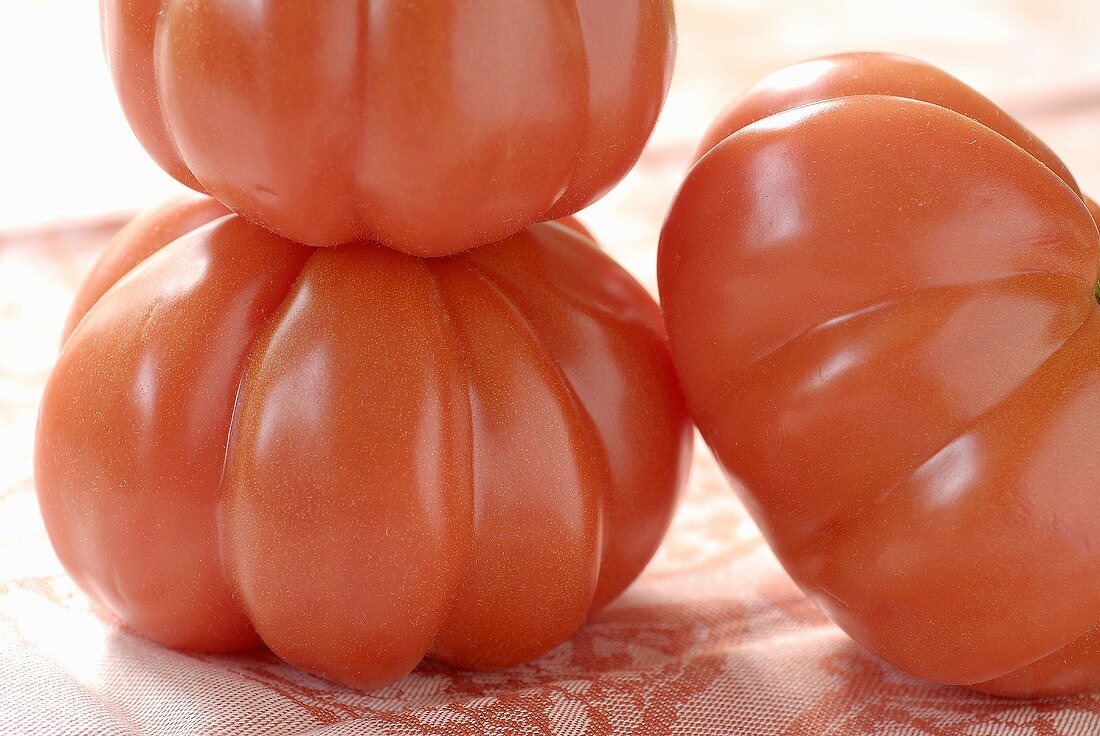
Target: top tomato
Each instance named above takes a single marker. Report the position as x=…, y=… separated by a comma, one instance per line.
x=431, y=127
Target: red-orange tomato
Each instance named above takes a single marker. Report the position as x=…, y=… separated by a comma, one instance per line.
x=880, y=295
x=427, y=126
x=355, y=456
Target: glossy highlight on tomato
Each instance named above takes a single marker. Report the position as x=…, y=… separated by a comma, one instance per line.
x=427, y=126
x=358, y=457
x=880, y=292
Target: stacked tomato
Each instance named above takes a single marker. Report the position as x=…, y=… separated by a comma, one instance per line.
x=378, y=397
x=353, y=454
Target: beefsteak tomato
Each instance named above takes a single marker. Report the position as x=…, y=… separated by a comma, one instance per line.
x=356, y=456
x=881, y=298
x=427, y=126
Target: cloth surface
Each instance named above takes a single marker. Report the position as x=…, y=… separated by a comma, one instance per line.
x=712, y=639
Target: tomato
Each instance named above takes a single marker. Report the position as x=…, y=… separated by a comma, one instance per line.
x=427, y=126
x=880, y=293
x=354, y=456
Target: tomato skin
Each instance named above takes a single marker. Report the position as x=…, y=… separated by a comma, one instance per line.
x=429, y=127
x=881, y=312
x=865, y=73
x=357, y=457
x=143, y=236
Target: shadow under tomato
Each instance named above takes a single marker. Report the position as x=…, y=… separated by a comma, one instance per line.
x=657, y=654
x=644, y=649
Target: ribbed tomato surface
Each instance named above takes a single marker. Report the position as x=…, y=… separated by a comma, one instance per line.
x=427, y=126
x=881, y=299
x=355, y=456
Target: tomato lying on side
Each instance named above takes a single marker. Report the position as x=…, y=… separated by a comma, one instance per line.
x=356, y=456
x=880, y=295
x=427, y=126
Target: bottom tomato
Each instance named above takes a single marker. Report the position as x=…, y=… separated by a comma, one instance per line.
x=357, y=457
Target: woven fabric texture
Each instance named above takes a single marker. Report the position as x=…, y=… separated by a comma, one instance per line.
x=713, y=639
